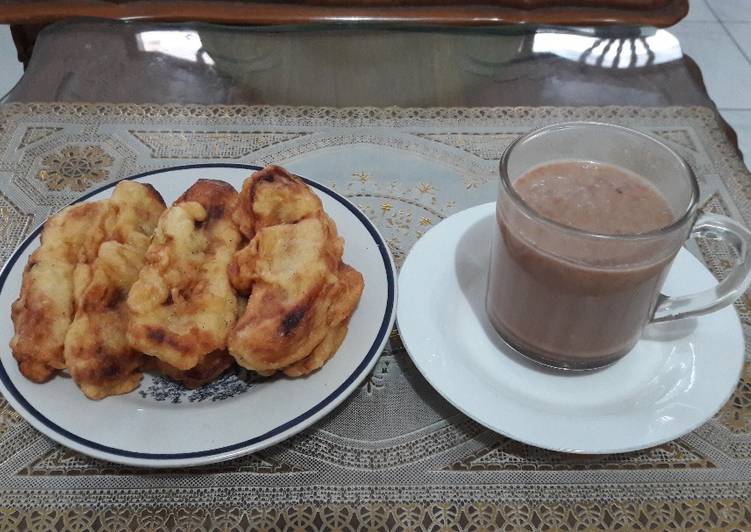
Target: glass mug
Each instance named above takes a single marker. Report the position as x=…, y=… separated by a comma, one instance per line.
x=576, y=299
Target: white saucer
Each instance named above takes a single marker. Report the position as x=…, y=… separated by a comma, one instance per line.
x=676, y=378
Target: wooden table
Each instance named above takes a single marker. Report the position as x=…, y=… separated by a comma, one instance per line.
x=336, y=65
x=462, y=95
x=474, y=12
x=28, y=18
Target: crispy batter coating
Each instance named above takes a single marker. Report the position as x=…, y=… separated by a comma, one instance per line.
x=54, y=278
x=125, y=284
x=344, y=298
x=273, y=196
x=269, y=197
x=182, y=306
x=293, y=267
x=301, y=293
x=97, y=353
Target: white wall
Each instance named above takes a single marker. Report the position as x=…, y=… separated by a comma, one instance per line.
x=10, y=68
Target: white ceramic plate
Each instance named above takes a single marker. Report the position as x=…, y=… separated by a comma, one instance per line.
x=163, y=425
x=676, y=378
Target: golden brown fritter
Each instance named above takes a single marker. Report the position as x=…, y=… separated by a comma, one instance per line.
x=273, y=196
x=344, y=298
x=293, y=267
x=56, y=273
x=120, y=279
x=269, y=197
x=301, y=293
x=182, y=305
x=207, y=370
x=97, y=353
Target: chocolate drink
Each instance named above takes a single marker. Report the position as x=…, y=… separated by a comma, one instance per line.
x=569, y=299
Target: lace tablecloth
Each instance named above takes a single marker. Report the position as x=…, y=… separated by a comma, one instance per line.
x=395, y=453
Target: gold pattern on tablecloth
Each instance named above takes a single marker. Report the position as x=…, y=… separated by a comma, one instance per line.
x=676, y=137
x=75, y=168
x=35, y=134
x=14, y=224
x=736, y=414
x=61, y=461
x=507, y=454
x=488, y=146
x=8, y=417
x=688, y=515
x=394, y=453
x=209, y=144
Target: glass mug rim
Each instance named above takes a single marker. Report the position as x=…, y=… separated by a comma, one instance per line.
x=685, y=217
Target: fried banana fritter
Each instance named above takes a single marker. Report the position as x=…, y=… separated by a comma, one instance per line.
x=97, y=353
x=53, y=280
x=344, y=298
x=273, y=196
x=182, y=306
x=301, y=293
x=125, y=284
x=269, y=197
x=292, y=266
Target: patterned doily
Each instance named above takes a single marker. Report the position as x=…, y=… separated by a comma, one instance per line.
x=395, y=453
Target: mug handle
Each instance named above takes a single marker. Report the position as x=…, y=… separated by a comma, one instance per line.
x=713, y=227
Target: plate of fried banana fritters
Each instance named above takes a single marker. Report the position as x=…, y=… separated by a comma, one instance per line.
x=193, y=314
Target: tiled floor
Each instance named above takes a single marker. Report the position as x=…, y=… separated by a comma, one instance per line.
x=711, y=45
x=716, y=33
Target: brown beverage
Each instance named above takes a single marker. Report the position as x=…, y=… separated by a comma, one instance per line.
x=571, y=302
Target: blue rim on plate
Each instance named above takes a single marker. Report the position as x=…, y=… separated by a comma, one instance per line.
x=373, y=351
